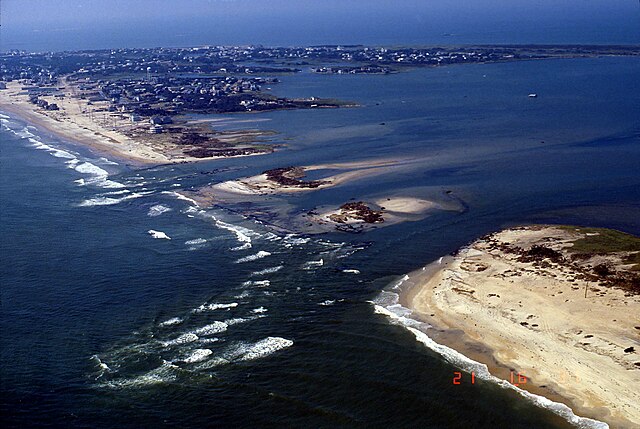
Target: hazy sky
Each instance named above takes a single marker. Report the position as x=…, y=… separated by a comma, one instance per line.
x=86, y=24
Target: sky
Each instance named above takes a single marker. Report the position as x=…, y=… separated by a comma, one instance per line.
x=97, y=24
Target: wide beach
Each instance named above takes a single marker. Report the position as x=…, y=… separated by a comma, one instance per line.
x=82, y=122
x=505, y=303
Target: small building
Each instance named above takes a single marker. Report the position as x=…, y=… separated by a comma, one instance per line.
x=161, y=120
x=3, y=85
x=135, y=118
x=155, y=129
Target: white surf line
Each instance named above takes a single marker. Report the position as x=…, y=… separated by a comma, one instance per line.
x=482, y=371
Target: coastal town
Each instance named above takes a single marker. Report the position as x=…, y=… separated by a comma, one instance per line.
x=150, y=99
x=220, y=79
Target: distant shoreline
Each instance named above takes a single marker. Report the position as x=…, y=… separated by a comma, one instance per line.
x=70, y=124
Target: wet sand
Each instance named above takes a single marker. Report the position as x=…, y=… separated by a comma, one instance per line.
x=89, y=125
x=261, y=184
x=533, y=318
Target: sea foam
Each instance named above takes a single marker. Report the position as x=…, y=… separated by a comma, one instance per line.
x=267, y=271
x=98, y=176
x=257, y=283
x=108, y=201
x=261, y=254
x=214, y=306
x=158, y=234
x=212, y=328
x=198, y=355
x=182, y=339
x=265, y=347
x=157, y=210
x=387, y=304
x=172, y=321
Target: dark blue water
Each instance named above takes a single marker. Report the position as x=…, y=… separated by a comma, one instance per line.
x=104, y=325
x=92, y=24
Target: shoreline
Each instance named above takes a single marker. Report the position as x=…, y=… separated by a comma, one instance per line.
x=71, y=124
x=76, y=135
x=570, y=353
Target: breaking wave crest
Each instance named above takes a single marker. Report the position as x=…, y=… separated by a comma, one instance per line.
x=158, y=234
x=387, y=304
x=157, y=210
x=267, y=271
x=214, y=306
x=261, y=254
x=109, y=201
x=258, y=283
x=264, y=348
x=171, y=322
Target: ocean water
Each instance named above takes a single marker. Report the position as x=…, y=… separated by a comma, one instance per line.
x=91, y=24
x=125, y=305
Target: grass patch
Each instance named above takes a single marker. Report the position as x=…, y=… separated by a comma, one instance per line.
x=606, y=241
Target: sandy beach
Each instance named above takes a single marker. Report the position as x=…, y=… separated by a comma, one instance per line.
x=112, y=133
x=515, y=301
x=262, y=184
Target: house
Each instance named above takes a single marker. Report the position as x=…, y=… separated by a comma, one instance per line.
x=161, y=120
x=155, y=129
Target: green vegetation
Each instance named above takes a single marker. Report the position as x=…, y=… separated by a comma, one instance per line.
x=606, y=241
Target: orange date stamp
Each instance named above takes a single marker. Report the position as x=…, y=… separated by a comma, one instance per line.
x=515, y=378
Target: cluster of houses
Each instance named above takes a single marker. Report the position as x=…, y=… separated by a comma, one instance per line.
x=161, y=97
x=44, y=104
x=353, y=70
x=161, y=82
x=45, y=68
x=35, y=92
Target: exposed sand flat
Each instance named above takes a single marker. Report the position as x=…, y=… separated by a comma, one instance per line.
x=262, y=185
x=406, y=205
x=391, y=211
x=534, y=318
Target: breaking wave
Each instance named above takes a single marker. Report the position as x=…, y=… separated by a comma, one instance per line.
x=212, y=328
x=189, y=337
x=310, y=265
x=165, y=373
x=171, y=322
x=97, y=176
x=258, y=283
x=195, y=242
x=158, y=234
x=157, y=210
x=261, y=254
x=243, y=235
x=387, y=304
x=198, y=355
x=264, y=348
x=108, y=201
x=214, y=306
x=267, y=271
x=179, y=196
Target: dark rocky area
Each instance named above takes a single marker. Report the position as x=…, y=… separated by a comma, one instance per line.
x=290, y=176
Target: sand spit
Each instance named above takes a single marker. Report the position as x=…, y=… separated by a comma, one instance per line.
x=90, y=124
x=291, y=179
x=515, y=300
